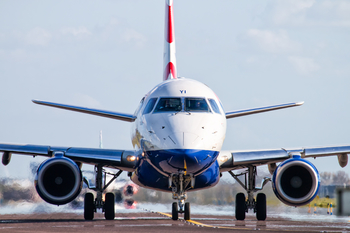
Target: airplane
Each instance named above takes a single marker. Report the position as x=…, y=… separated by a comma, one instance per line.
x=178, y=131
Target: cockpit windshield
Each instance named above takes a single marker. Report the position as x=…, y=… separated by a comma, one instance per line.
x=169, y=105
x=196, y=105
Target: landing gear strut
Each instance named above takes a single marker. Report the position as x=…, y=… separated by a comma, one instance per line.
x=243, y=204
x=107, y=206
x=180, y=183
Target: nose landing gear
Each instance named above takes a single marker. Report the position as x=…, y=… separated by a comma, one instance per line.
x=180, y=183
x=183, y=208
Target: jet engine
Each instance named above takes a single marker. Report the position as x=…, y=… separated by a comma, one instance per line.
x=296, y=181
x=58, y=180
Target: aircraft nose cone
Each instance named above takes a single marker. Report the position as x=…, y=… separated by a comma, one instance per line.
x=185, y=153
x=181, y=159
x=191, y=161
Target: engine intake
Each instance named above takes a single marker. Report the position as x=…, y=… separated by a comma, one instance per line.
x=58, y=180
x=296, y=182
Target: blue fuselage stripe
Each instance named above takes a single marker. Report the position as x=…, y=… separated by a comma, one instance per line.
x=191, y=161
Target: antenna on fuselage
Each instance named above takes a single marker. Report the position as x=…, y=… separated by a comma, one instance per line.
x=169, y=69
x=100, y=145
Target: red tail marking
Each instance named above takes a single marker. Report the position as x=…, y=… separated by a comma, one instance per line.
x=169, y=68
x=170, y=31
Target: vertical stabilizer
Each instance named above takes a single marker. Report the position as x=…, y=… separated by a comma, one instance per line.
x=170, y=70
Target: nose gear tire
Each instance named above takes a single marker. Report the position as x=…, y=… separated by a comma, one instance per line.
x=187, y=211
x=175, y=212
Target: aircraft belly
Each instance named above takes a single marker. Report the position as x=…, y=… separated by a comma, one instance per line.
x=208, y=178
x=147, y=176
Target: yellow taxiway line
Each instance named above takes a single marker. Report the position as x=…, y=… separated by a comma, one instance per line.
x=217, y=227
x=204, y=225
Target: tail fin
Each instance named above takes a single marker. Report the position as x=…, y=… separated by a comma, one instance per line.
x=170, y=70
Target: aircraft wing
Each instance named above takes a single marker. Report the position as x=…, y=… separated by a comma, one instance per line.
x=246, y=112
x=96, y=112
x=231, y=160
x=119, y=159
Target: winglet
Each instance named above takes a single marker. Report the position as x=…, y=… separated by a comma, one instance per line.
x=170, y=69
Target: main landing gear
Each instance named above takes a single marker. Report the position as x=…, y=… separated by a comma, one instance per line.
x=107, y=206
x=180, y=183
x=243, y=204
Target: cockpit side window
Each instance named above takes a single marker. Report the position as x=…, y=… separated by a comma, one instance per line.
x=150, y=105
x=139, y=107
x=214, y=106
x=169, y=105
x=196, y=105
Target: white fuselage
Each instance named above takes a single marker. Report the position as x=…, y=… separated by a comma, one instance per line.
x=180, y=128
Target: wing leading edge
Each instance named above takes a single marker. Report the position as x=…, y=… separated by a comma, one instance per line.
x=230, y=160
x=96, y=112
x=120, y=159
x=246, y=112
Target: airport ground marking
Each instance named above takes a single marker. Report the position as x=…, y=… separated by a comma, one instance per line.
x=199, y=224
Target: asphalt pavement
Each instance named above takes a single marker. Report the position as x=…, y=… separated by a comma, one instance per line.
x=148, y=221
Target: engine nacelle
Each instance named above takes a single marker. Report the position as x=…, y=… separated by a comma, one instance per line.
x=58, y=180
x=296, y=182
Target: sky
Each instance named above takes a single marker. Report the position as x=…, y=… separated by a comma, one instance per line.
x=108, y=54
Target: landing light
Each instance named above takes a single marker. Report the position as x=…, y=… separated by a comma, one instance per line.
x=131, y=158
x=223, y=159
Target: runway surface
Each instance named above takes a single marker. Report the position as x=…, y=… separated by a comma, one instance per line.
x=152, y=221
